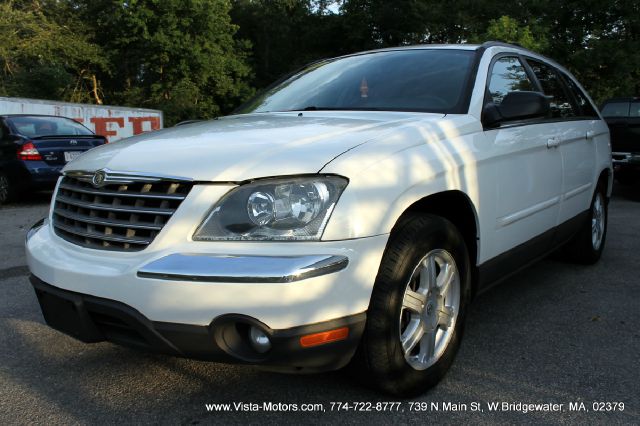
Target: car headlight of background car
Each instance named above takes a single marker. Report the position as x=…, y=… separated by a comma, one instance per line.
x=295, y=208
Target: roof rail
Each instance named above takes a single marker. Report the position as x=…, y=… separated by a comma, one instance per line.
x=493, y=43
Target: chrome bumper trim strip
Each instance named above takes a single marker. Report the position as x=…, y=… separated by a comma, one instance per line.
x=241, y=269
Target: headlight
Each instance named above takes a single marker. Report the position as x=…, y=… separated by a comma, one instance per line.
x=274, y=209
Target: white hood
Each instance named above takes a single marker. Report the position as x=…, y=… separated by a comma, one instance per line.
x=242, y=147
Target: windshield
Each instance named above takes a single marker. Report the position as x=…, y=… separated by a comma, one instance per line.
x=426, y=80
x=35, y=126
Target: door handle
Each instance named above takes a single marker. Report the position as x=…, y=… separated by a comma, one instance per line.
x=553, y=143
x=590, y=134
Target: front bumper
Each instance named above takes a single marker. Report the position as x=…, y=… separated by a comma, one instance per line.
x=626, y=159
x=140, y=279
x=198, y=299
x=94, y=319
x=181, y=285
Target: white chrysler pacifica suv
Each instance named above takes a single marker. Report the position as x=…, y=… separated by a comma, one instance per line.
x=349, y=213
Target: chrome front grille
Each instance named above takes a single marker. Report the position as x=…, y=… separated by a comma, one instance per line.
x=122, y=214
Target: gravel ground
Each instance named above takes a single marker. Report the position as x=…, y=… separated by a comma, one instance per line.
x=554, y=333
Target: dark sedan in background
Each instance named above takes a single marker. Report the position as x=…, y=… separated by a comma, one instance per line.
x=623, y=118
x=34, y=148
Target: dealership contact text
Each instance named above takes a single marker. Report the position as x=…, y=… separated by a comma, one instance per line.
x=417, y=406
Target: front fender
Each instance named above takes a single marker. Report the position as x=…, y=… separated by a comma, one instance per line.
x=384, y=182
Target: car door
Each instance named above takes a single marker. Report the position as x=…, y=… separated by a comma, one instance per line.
x=575, y=141
x=527, y=172
x=596, y=134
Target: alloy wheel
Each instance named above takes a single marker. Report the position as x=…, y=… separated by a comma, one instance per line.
x=4, y=188
x=597, y=221
x=430, y=309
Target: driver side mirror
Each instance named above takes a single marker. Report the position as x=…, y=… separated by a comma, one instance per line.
x=518, y=105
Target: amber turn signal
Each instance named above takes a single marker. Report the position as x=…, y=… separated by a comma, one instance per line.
x=325, y=337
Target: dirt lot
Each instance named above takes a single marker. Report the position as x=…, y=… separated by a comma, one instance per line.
x=555, y=333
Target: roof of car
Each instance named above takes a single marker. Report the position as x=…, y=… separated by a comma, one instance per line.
x=33, y=115
x=430, y=46
x=461, y=46
x=458, y=46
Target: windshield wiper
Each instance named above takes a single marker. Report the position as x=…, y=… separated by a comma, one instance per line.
x=317, y=108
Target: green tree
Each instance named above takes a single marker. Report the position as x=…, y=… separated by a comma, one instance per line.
x=43, y=59
x=599, y=42
x=200, y=58
x=286, y=34
x=176, y=55
x=509, y=30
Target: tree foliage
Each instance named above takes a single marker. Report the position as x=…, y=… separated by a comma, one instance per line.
x=509, y=30
x=42, y=58
x=176, y=55
x=201, y=58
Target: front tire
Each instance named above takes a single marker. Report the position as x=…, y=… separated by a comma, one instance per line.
x=7, y=190
x=418, y=306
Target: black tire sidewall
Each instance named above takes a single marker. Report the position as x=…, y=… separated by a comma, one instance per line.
x=10, y=191
x=416, y=236
x=595, y=254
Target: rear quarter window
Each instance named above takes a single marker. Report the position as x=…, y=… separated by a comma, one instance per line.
x=584, y=106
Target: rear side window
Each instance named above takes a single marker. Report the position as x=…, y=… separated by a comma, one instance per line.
x=38, y=126
x=616, y=109
x=586, y=109
x=634, y=109
x=507, y=75
x=553, y=87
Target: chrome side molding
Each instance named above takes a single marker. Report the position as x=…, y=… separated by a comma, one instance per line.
x=241, y=269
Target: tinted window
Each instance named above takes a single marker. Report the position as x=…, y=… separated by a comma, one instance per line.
x=553, y=87
x=507, y=75
x=34, y=126
x=616, y=109
x=634, y=109
x=418, y=80
x=586, y=109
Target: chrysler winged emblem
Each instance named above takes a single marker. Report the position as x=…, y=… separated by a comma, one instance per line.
x=98, y=178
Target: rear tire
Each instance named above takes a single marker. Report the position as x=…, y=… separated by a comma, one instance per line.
x=587, y=245
x=418, y=306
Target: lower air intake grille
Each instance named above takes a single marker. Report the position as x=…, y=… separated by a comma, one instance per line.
x=124, y=215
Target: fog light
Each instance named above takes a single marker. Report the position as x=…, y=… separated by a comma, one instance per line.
x=259, y=340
